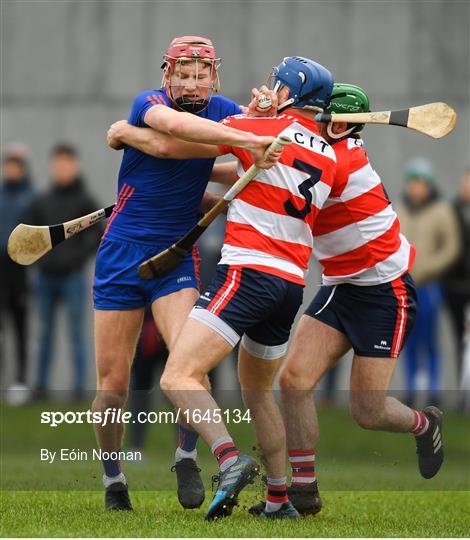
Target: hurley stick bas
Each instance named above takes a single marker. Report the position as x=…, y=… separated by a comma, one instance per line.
x=28, y=243
x=433, y=119
x=162, y=263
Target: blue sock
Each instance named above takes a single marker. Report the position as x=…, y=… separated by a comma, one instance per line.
x=111, y=467
x=187, y=438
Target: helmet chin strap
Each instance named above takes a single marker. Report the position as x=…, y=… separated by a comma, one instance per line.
x=191, y=107
x=337, y=136
x=285, y=104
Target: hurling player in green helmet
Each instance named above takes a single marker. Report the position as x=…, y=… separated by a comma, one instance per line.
x=366, y=302
x=346, y=98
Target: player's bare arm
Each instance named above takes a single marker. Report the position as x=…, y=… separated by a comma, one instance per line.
x=156, y=143
x=163, y=146
x=187, y=132
x=209, y=200
x=224, y=173
x=191, y=128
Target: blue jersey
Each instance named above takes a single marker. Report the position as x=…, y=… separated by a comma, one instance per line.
x=158, y=199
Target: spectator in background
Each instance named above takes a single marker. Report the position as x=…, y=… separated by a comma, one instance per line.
x=61, y=272
x=16, y=197
x=457, y=280
x=431, y=225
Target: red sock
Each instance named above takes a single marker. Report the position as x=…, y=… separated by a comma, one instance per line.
x=420, y=423
x=302, y=463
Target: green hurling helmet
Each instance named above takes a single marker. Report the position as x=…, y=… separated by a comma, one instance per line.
x=348, y=98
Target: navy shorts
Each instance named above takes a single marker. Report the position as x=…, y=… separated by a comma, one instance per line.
x=117, y=285
x=376, y=319
x=244, y=302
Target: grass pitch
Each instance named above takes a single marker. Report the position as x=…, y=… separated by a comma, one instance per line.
x=369, y=482
x=383, y=514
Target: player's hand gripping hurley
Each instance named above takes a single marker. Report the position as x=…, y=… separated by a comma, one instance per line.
x=28, y=243
x=167, y=260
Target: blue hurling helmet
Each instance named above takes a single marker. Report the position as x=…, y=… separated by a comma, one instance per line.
x=310, y=84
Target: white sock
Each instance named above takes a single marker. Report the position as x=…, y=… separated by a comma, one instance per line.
x=108, y=480
x=272, y=506
x=182, y=454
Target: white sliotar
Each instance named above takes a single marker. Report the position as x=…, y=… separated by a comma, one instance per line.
x=264, y=102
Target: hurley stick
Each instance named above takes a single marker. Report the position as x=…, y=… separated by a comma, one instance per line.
x=28, y=243
x=433, y=119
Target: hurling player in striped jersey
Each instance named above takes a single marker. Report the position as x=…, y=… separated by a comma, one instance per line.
x=367, y=303
x=259, y=281
x=258, y=287
x=158, y=201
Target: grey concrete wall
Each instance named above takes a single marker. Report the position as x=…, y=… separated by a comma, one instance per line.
x=70, y=68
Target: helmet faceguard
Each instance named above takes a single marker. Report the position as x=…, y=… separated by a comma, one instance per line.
x=191, y=72
x=347, y=98
x=309, y=83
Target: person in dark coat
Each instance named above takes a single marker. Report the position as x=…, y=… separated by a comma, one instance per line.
x=61, y=272
x=16, y=196
x=457, y=280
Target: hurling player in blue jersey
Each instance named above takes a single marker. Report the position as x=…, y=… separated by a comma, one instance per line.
x=158, y=201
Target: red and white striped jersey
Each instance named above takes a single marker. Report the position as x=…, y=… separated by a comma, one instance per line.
x=269, y=223
x=357, y=235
